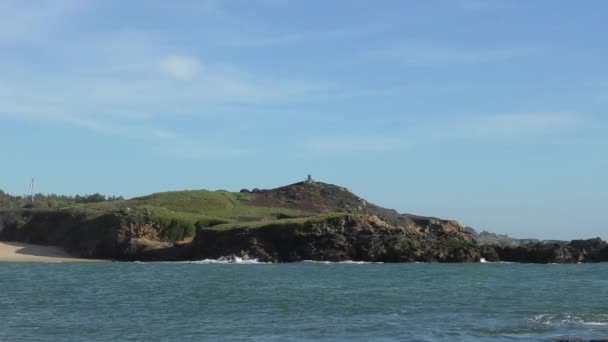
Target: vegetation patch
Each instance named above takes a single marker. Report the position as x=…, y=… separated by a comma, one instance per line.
x=300, y=221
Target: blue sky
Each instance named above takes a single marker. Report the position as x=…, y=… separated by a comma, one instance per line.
x=488, y=112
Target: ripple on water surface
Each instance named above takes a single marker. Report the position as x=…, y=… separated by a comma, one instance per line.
x=215, y=300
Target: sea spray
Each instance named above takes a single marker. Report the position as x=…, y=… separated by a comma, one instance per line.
x=230, y=259
x=345, y=262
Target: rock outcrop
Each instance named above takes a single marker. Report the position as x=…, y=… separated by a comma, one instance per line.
x=592, y=250
x=339, y=238
x=484, y=238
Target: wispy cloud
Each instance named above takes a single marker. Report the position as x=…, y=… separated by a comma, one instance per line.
x=141, y=80
x=444, y=56
x=347, y=144
x=129, y=130
x=192, y=149
x=182, y=67
x=165, y=141
x=135, y=75
x=123, y=82
x=249, y=40
x=518, y=125
x=23, y=21
x=511, y=127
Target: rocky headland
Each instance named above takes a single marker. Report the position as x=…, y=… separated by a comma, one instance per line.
x=302, y=221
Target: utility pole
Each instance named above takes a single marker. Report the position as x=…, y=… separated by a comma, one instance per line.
x=32, y=190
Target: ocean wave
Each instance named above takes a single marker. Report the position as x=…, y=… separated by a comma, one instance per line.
x=231, y=259
x=346, y=262
x=484, y=261
x=596, y=323
x=570, y=319
x=225, y=260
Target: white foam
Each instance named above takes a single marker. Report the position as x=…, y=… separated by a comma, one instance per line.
x=596, y=323
x=231, y=259
x=347, y=262
x=567, y=319
x=484, y=261
x=359, y=262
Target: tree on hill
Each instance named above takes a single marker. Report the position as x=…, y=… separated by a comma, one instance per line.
x=52, y=200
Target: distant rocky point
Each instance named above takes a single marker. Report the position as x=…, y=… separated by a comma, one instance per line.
x=495, y=247
x=486, y=238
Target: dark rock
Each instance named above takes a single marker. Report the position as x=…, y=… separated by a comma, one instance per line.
x=592, y=250
x=337, y=238
x=489, y=253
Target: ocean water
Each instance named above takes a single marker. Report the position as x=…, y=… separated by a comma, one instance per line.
x=213, y=301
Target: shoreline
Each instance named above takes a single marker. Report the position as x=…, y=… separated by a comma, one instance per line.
x=11, y=251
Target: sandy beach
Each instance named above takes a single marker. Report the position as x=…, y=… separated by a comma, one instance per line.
x=23, y=252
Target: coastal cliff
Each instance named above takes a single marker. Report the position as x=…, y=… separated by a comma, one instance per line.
x=326, y=237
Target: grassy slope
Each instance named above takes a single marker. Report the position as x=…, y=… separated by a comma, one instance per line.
x=216, y=207
x=177, y=213
x=218, y=204
x=287, y=221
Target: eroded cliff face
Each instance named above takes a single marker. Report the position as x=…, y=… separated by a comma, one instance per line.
x=112, y=235
x=340, y=238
